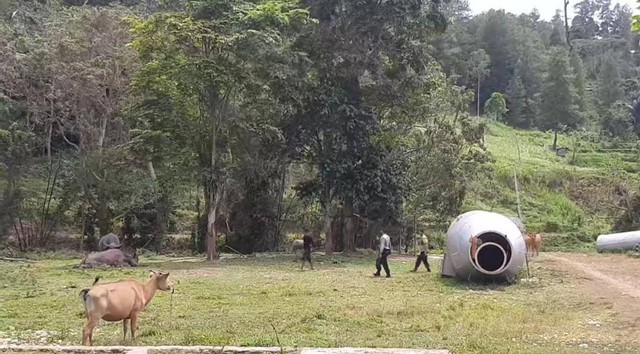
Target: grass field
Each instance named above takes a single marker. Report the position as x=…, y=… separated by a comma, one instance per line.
x=237, y=301
x=574, y=198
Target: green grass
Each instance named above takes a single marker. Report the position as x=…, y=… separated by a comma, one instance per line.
x=574, y=198
x=236, y=302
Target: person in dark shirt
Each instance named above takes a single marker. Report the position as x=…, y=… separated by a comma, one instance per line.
x=307, y=246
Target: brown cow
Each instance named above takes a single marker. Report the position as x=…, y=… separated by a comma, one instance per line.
x=534, y=241
x=120, y=301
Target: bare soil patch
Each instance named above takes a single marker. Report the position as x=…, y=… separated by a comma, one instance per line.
x=609, y=281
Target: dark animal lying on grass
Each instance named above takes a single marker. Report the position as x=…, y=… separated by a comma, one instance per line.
x=109, y=241
x=120, y=301
x=109, y=258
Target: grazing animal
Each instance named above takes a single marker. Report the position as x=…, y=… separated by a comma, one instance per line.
x=109, y=241
x=120, y=301
x=534, y=241
x=297, y=245
x=111, y=258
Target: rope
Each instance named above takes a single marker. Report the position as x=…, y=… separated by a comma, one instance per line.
x=474, y=247
x=171, y=304
x=515, y=179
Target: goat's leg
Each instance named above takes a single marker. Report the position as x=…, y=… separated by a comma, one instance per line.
x=125, y=328
x=87, y=333
x=134, y=325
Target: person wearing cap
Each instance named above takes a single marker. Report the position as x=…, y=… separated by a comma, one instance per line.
x=423, y=242
x=385, y=250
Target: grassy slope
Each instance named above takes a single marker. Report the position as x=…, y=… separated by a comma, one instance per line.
x=572, y=201
x=340, y=304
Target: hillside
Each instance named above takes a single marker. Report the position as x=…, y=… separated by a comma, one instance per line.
x=572, y=199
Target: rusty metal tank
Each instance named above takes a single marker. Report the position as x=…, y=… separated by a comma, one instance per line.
x=500, y=251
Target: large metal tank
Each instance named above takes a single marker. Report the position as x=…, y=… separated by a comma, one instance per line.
x=500, y=251
x=623, y=241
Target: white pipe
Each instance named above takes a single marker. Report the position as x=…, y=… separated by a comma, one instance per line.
x=623, y=241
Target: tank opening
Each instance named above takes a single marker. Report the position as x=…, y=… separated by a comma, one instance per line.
x=493, y=253
x=491, y=257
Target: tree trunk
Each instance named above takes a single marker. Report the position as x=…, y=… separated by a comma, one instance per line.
x=348, y=237
x=212, y=251
x=328, y=244
x=478, y=111
x=212, y=193
x=211, y=207
x=373, y=227
x=104, y=219
x=159, y=229
x=566, y=25
x=48, y=146
x=279, y=217
x=103, y=214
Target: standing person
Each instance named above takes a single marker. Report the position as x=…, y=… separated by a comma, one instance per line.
x=422, y=256
x=385, y=250
x=307, y=245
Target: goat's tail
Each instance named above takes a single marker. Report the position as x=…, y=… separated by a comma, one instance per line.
x=84, y=295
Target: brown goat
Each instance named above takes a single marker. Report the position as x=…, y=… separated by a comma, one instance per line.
x=120, y=301
x=534, y=241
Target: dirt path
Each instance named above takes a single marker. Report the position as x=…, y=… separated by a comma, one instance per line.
x=611, y=280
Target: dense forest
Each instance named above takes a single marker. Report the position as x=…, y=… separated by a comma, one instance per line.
x=239, y=121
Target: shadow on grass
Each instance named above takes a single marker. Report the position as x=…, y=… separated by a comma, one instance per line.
x=476, y=285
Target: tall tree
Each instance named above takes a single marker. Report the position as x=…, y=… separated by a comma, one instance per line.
x=559, y=98
x=519, y=104
x=496, y=106
x=580, y=83
x=205, y=61
x=357, y=65
x=558, y=35
x=479, y=63
x=610, y=87
x=583, y=24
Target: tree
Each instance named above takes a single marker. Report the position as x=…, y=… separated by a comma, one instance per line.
x=73, y=91
x=580, y=82
x=559, y=105
x=609, y=83
x=558, y=35
x=204, y=60
x=617, y=121
x=636, y=23
x=359, y=68
x=583, y=24
x=519, y=103
x=480, y=63
x=496, y=106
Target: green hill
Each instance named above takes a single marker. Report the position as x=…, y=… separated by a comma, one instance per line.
x=570, y=199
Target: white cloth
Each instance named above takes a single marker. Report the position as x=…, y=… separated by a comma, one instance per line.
x=385, y=242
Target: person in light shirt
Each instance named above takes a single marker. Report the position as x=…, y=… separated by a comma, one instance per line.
x=385, y=250
x=422, y=256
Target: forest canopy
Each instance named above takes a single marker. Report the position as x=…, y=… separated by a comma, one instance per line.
x=237, y=121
